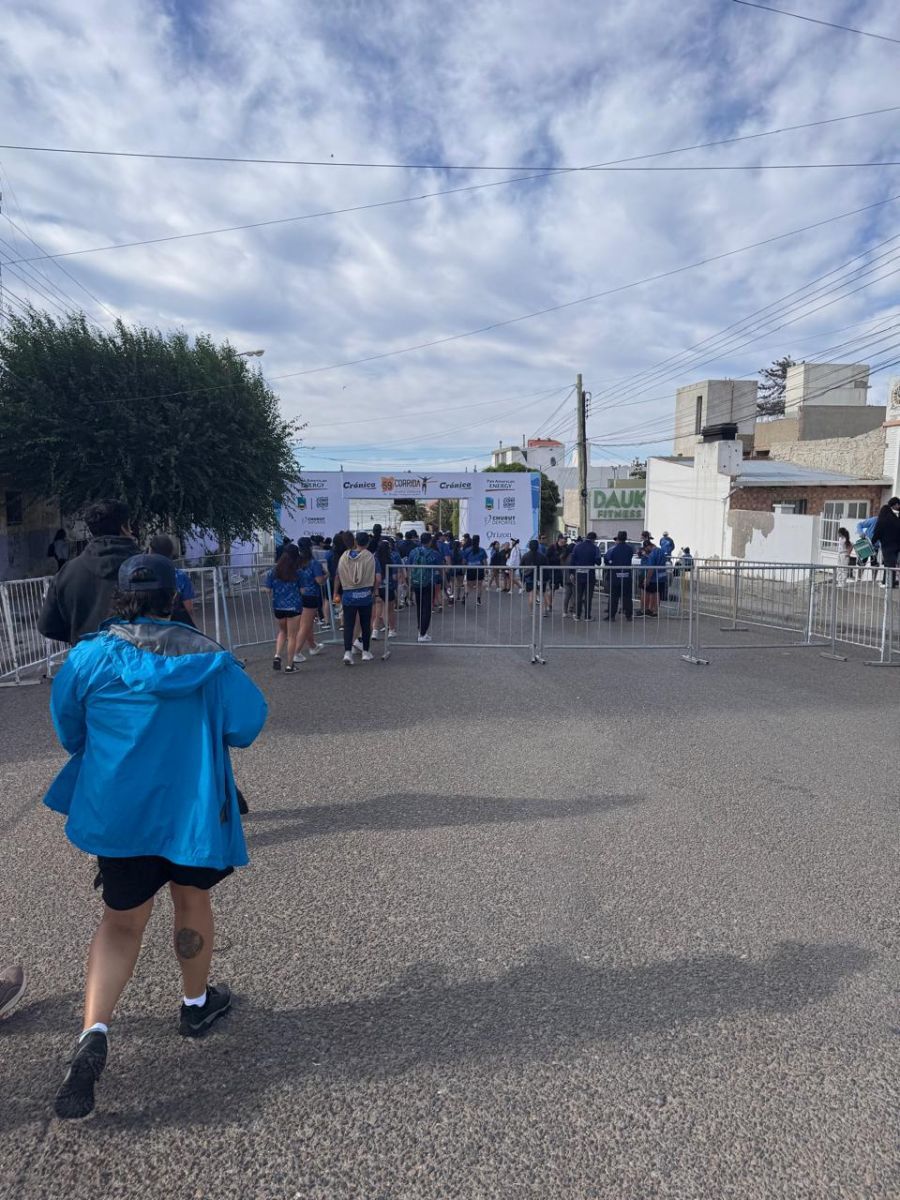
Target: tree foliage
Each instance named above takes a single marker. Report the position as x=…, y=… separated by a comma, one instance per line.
x=770, y=398
x=184, y=431
x=549, y=495
x=638, y=468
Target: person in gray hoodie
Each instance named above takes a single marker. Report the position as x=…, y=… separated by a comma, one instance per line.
x=79, y=596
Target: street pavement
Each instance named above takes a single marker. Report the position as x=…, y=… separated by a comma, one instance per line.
x=613, y=927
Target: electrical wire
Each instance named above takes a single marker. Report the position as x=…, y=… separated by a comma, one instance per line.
x=815, y=21
x=552, y=169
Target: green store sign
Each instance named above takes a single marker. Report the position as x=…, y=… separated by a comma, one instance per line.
x=619, y=505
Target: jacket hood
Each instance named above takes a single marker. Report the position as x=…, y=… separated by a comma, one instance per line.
x=161, y=658
x=104, y=555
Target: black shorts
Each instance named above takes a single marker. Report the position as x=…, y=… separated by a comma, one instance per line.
x=312, y=601
x=131, y=882
x=284, y=614
x=474, y=573
x=651, y=586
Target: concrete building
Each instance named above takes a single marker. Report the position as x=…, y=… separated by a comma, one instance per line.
x=825, y=385
x=713, y=402
x=723, y=505
x=619, y=503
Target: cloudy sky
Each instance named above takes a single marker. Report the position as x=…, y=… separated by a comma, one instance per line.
x=527, y=86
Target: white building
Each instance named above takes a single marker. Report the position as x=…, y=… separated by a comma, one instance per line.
x=723, y=505
x=713, y=402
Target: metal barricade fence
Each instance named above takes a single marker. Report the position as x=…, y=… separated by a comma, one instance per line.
x=247, y=616
x=611, y=608
x=206, y=612
x=25, y=654
x=459, y=606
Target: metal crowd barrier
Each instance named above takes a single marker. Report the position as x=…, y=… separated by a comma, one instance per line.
x=713, y=605
x=25, y=654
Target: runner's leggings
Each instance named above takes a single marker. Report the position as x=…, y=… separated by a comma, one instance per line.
x=351, y=612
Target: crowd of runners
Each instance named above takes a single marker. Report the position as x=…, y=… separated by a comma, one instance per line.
x=369, y=577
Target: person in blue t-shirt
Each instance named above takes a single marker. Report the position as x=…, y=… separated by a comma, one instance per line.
x=293, y=582
x=390, y=568
x=476, y=560
x=654, y=577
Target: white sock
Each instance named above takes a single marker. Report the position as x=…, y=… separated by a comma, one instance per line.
x=97, y=1027
x=197, y=1002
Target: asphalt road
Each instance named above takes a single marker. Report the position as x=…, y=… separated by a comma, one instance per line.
x=613, y=927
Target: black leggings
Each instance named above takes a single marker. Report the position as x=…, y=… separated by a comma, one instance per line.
x=423, y=605
x=351, y=612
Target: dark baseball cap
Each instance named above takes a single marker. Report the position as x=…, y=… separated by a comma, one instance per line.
x=147, y=573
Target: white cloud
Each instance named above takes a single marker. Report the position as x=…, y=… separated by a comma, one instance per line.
x=472, y=82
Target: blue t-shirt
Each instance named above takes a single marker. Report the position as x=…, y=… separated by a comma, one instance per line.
x=183, y=585
x=656, y=560
x=475, y=558
x=309, y=578
x=285, y=593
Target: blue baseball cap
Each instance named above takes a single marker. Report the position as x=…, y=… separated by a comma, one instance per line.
x=147, y=573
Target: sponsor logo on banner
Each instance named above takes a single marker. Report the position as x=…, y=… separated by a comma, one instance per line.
x=321, y=501
x=365, y=485
x=301, y=501
x=313, y=485
x=489, y=503
x=506, y=522
x=499, y=485
x=456, y=487
x=387, y=483
x=310, y=520
x=509, y=502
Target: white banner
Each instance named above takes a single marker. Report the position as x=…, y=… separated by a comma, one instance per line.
x=497, y=506
x=320, y=505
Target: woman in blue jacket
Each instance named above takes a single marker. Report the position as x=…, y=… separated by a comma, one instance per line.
x=148, y=709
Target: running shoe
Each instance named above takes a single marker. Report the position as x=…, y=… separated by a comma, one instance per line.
x=75, y=1097
x=276, y=663
x=392, y=633
x=375, y=635
x=424, y=637
x=367, y=656
x=298, y=658
x=357, y=645
x=12, y=985
x=196, y=1019
x=290, y=670
x=314, y=651
x=348, y=658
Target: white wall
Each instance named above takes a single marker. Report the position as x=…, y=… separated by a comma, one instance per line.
x=823, y=384
x=689, y=503
x=772, y=537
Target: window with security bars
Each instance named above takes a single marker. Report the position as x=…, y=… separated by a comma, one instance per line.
x=836, y=513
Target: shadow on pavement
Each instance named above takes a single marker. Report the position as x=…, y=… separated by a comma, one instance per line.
x=412, y=810
x=548, y=1007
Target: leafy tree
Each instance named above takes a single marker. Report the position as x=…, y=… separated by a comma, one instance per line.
x=549, y=495
x=184, y=431
x=638, y=468
x=411, y=510
x=770, y=398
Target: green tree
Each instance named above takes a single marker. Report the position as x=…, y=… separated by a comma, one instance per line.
x=638, y=468
x=770, y=398
x=184, y=430
x=549, y=495
x=411, y=510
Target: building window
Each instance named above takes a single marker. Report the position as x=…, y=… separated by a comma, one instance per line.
x=836, y=513
x=800, y=507
x=13, y=505
x=698, y=416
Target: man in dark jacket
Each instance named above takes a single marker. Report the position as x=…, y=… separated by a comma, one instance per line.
x=621, y=576
x=585, y=555
x=79, y=597
x=887, y=534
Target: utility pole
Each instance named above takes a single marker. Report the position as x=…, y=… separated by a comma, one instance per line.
x=582, y=458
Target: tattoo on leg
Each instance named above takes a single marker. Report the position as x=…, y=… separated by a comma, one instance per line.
x=188, y=943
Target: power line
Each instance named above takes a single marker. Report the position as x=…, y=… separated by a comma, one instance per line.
x=45, y=255
x=553, y=169
x=355, y=208
x=815, y=21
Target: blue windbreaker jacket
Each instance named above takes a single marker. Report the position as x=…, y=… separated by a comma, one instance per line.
x=148, y=710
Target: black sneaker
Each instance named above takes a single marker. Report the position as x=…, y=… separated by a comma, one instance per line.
x=197, y=1018
x=75, y=1097
x=276, y=663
